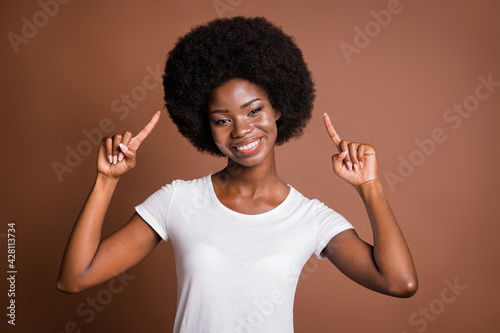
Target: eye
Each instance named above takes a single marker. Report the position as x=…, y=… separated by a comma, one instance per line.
x=220, y=121
x=254, y=111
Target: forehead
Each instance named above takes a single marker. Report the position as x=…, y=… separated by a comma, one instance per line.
x=236, y=91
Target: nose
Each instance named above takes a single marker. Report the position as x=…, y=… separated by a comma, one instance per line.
x=241, y=127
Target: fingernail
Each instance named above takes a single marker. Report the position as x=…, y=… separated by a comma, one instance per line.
x=342, y=154
x=110, y=158
x=115, y=159
x=361, y=163
x=158, y=111
x=120, y=156
x=349, y=165
x=123, y=147
x=356, y=167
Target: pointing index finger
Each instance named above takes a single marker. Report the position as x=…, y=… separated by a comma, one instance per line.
x=332, y=132
x=147, y=129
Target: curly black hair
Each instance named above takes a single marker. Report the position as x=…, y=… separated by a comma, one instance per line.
x=252, y=49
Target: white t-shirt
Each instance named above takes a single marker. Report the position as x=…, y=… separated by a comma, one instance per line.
x=237, y=272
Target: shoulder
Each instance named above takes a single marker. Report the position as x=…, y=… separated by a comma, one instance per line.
x=185, y=187
x=302, y=200
x=191, y=184
x=317, y=208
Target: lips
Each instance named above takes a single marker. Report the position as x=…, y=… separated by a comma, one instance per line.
x=247, y=147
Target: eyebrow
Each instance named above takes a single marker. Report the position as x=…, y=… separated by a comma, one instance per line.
x=242, y=106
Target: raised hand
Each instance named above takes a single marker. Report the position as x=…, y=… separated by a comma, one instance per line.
x=356, y=162
x=117, y=154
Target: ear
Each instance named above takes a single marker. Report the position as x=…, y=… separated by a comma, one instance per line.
x=277, y=115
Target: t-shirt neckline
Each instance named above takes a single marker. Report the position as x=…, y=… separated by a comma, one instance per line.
x=273, y=211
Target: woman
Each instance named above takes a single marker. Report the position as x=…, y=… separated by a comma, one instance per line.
x=236, y=88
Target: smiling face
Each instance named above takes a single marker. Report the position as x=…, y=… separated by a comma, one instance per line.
x=243, y=122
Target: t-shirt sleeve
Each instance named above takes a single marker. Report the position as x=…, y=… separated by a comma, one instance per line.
x=328, y=224
x=155, y=209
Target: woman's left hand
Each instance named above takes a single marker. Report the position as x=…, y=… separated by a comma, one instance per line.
x=356, y=162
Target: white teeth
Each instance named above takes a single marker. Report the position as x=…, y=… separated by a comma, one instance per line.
x=248, y=146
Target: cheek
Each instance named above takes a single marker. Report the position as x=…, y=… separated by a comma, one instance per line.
x=216, y=139
x=214, y=133
x=218, y=136
x=270, y=124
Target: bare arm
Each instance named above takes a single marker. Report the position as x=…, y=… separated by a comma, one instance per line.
x=87, y=260
x=387, y=266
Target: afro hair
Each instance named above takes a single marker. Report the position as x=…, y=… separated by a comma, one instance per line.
x=252, y=49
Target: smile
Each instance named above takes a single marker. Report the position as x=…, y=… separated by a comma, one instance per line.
x=248, y=147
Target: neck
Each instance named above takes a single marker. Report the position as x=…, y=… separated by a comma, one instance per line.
x=250, y=179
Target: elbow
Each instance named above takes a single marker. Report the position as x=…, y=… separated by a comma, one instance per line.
x=405, y=289
x=410, y=289
x=68, y=288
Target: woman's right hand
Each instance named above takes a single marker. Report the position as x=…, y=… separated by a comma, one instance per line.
x=117, y=154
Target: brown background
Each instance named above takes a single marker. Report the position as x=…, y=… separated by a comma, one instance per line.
x=396, y=90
